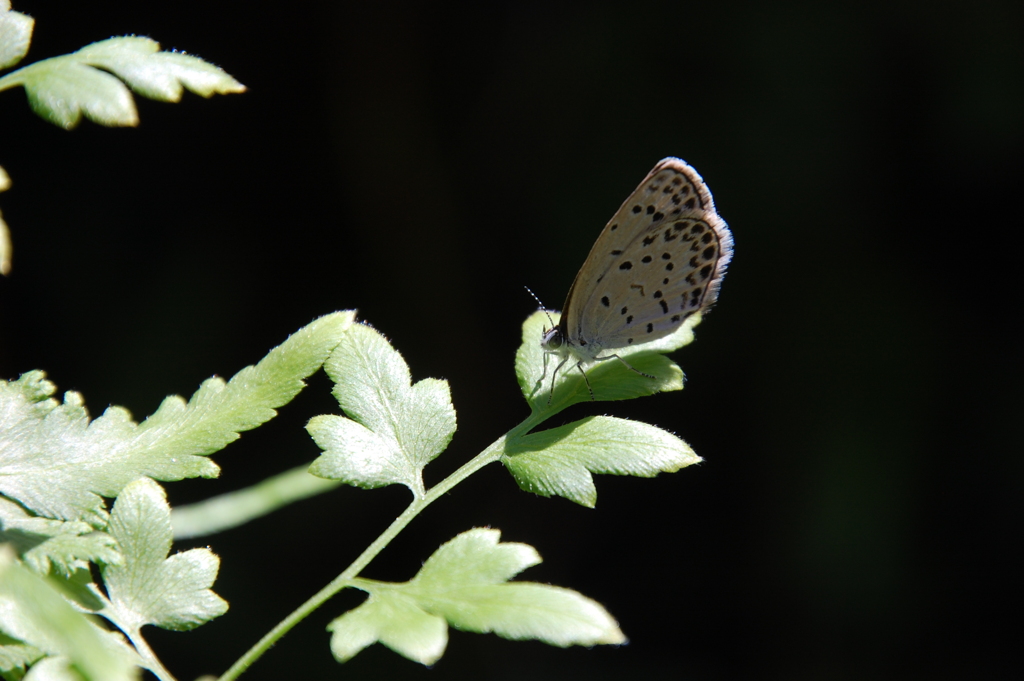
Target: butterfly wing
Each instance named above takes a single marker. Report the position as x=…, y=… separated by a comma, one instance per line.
x=660, y=259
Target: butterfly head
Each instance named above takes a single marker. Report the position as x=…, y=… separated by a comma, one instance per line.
x=554, y=342
x=553, y=338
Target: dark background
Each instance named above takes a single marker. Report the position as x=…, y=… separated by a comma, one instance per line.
x=856, y=393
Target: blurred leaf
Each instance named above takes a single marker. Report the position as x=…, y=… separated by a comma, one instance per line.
x=5, y=233
x=63, y=89
x=15, y=35
x=15, y=656
x=32, y=612
x=236, y=508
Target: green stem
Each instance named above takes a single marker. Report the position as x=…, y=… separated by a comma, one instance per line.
x=150, y=660
x=14, y=78
x=489, y=455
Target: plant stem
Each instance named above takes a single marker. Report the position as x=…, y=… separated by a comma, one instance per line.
x=151, y=662
x=489, y=455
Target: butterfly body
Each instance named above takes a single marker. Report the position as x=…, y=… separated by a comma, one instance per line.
x=659, y=260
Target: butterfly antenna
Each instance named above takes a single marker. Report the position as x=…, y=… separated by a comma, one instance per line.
x=540, y=305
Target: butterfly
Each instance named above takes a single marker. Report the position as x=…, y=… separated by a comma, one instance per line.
x=660, y=259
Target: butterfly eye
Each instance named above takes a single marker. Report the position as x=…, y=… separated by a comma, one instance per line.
x=552, y=339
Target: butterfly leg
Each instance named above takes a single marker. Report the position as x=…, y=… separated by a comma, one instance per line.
x=540, y=381
x=625, y=363
x=554, y=375
x=579, y=365
x=544, y=374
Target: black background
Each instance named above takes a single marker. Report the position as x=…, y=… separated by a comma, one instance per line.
x=856, y=393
